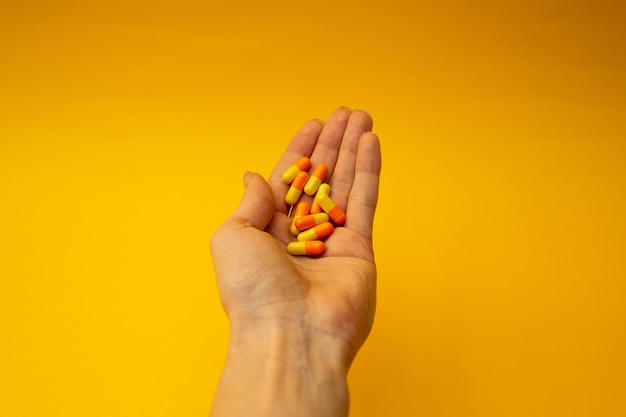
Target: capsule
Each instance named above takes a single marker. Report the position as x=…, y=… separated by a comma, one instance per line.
x=306, y=222
x=315, y=206
x=318, y=232
x=302, y=164
x=295, y=191
x=332, y=209
x=311, y=247
x=317, y=177
x=302, y=209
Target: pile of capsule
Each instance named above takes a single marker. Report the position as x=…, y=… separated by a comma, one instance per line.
x=311, y=223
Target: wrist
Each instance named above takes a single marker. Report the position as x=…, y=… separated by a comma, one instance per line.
x=283, y=365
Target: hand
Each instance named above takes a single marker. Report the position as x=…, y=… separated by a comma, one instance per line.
x=314, y=311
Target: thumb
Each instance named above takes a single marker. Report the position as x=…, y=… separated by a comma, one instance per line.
x=256, y=207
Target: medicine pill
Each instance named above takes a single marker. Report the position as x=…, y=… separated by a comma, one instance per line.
x=311, y=247
x=315, y=206
x=318, y=232
x=302, y=209
x=332, y=209
x=302, y=164
x=317, y=177
x=295, y=191
x=306, y=222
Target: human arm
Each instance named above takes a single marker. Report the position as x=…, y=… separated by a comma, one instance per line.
x=298, y=322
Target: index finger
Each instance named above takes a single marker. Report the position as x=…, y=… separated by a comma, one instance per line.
x=302, y=144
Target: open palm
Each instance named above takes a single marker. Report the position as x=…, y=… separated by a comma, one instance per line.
x=332, y=295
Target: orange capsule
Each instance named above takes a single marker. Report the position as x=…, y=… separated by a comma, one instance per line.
x=332, y=209
x=311, y=247
x=302, y=209
x=295, y=191
x=317, y=177
x=306, y=222
x=302, y=164
x=315, y=206
x=319, y=232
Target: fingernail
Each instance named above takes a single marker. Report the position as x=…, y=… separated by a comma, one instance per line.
x=246, y=178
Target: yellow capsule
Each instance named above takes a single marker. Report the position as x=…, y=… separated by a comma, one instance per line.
x=295, y=191
x=315, y=206
x=311, y=247
x=302, y=164
x=306, y=222
x=302, y=209
x=318, y=232
x=316, y=178
x=332, y=209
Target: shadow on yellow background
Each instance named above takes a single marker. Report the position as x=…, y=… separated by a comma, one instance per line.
x=125, y=128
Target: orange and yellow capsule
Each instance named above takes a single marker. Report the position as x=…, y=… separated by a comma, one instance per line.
x=302, y=209
x=302, y=164
x=297, y=185
x=311, y=247
x=317, y=177
x=318, y=232
x=332, y=209
x=306, y=222
x=315, y=206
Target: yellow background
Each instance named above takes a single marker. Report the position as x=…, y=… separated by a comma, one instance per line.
x=125, y=128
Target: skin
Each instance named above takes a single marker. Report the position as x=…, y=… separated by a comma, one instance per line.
x=297, y=322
